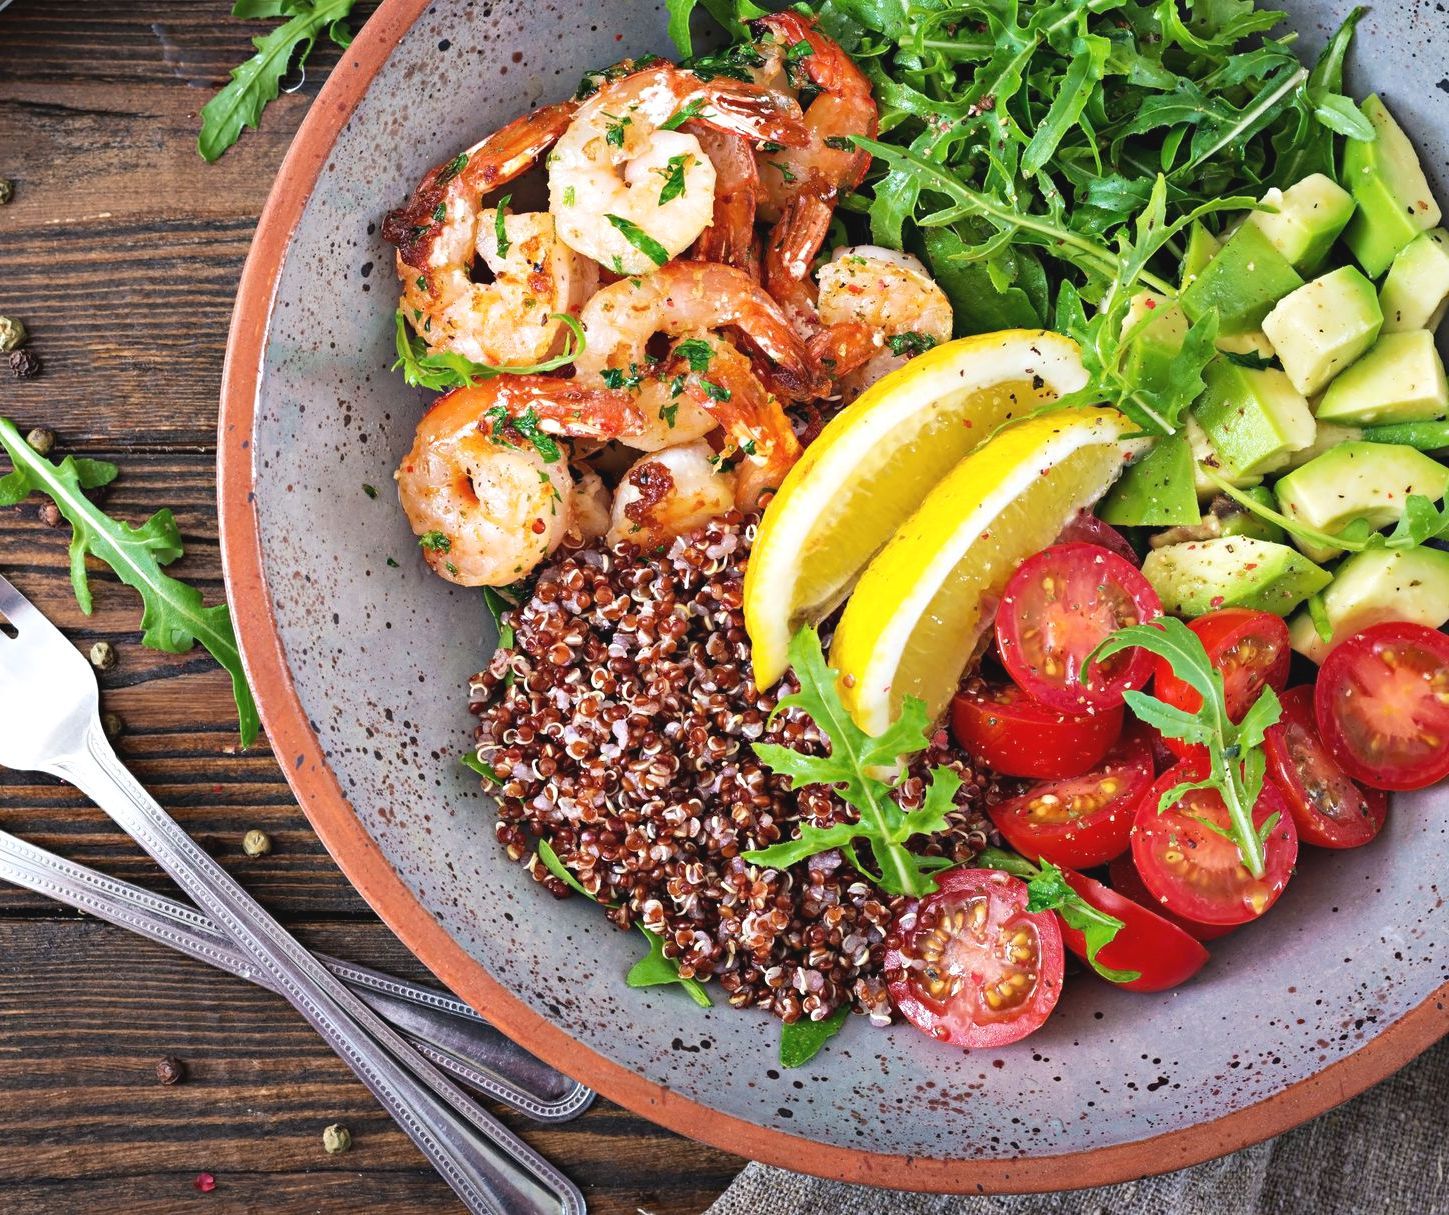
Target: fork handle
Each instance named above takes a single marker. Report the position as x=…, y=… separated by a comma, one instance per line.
x=488, y=1167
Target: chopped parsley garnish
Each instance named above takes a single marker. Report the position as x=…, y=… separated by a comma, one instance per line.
x=734, y=61
x=910, y=343
x=569, y=196
x=673, y=174
x=749, y=447
x=435, y=542
x=782, y=168
x=421, y=282
x=697, y=352
x=798, y=51
x=667, y=414
x=715, y=392
x=500, y=233
x=454, y=167
x=440, y=212
x=614, y=131
x=369, y=490
x=525, y=426
x=640, y=239
x=690, y=110
x=392, y=564
x=617, y=377
x=841, y=143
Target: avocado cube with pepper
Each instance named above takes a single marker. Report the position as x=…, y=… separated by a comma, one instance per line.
x=1243, y=282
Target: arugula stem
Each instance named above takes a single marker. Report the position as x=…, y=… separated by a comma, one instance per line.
x=1291, y=526
x=1261, y=105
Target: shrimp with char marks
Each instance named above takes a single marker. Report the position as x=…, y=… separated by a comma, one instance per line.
x=668, y=493
x=489, y=499
x=631, y=192
x=444, y=228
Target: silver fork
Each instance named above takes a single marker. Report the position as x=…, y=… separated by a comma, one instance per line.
x=444, y=1029
x=49, y=723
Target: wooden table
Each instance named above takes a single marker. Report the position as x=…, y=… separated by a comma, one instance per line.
x=121, y=251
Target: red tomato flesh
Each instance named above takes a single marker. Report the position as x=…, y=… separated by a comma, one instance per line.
x=1126, y=881
x=1158, y=949
x=1196, y=872
x=1328, y=808
x=1003, y=728
x=1251, y=650
x=1086, y=528
x=1382, y=703
x=1057, y=608
x=969, y=965
x=1083, y=820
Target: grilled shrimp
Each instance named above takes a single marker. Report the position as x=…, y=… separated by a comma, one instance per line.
x=730, y=237
x=443, y=227
x=869, y=296
x=669, y=492
x=486, y=501
x=630, y=193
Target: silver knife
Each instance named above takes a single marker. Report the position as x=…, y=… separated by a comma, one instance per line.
x=443, y=1028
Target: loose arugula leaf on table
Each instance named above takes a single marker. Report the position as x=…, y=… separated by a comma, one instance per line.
x=1236, y=762
x=654, y=969
x=851, y=771
x=173, y=617
x=470, y=761
x=800, y=1041
x=255, y=84
x=446, y=369
x=1048, y=890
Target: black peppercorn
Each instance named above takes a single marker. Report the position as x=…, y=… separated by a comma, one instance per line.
x=25, y=364
x=170, y=1070
x=50, y=515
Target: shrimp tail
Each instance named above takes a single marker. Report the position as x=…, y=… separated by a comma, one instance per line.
x=730, y=238
x=558, y=407
x=839, y=349
x=793, y=244
x=739, y=107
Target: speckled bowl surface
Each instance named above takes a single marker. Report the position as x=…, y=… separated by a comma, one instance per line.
x=360, y=665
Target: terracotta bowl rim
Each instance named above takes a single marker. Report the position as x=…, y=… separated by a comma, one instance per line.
x=361, y=860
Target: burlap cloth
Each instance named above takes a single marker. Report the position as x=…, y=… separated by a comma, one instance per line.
x=1382, y=1153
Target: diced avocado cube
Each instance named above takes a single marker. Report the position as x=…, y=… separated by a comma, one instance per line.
x=1373, y=587
x=1328, y=436
x=1254, y=419
x=1245, y=279
x=1253, y=342
x=1400, y=380
x=1225, y=517
x=1394, y=201
x=1310, y=215
x=1205, y=457
x=1232, y=571
x=1324, y=326
x=1416, y=291
x=1157, y=491
x=1202, y=247
x=1356, y=480
x=1158, y=329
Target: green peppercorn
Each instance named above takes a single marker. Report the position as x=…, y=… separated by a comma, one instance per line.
x=41, y=440
x=336, y=1138
x=256, y=843
x=12, y=334
x=7, y=190
x=103, y=656
x=112, y=724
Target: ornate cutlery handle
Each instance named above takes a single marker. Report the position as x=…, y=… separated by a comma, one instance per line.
x=489, y=1168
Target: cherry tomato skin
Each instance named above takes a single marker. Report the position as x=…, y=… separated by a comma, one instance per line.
x=1252, y=651
x=970, y=966
x=1056, y=609
x=1003, y=728
x=1194, y=871
x=1382, y=703
x=1085, y=528
x=1328, y=808
x=1126, y=881
x=1158, y=949
x=1083, y=820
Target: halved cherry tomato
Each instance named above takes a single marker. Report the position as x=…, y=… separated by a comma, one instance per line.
x=1382, y=704
x=1056, y=609
x=1249, y=647
x=1083, y=820
x=970, y=965
x=1328, y=808
x=1003, y=728
x=1127, y=882
x=1158, y=949
x=1085, y=528
x=1194, y=870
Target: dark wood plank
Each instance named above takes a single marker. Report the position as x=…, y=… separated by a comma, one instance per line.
x=121, y=251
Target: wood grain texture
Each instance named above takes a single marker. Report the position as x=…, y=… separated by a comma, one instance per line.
x=121, y=252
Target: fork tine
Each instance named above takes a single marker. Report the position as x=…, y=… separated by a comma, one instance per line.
x=23, y=614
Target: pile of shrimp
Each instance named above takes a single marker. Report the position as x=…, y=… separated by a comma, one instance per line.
x=688, y=209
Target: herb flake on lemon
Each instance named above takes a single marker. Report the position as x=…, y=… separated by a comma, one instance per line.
x=876, y=462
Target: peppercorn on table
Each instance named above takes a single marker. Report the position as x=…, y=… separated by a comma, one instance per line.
x=132, y=1078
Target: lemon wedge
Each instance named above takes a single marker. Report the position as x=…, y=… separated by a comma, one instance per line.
x=874, y=464
x=922, y=607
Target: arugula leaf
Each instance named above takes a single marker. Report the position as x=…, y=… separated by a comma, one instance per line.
x=173, y=617
x=445, y=370
x=730, y=14
x=800, y=1041
x=1236, y=763
x=471, y=761
x=256, y=83
x=1307, y=145
x=497, y=603
x=1049, y=891
x=851, y=772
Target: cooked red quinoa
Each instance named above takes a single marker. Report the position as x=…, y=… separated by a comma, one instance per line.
x=621, y=722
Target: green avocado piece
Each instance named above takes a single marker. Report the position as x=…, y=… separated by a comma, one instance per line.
x=1328, y=436
x=1376, y=586
x=1387, y=182
x=1324, y=326
x=1416, y=291
x=1226, y=518
x=1202, y=247
x=1401, y=379
x=1254, y=419
x=1245, y=280
x=1157, y=491
x=1357, y=480
x=1310, y=214
x=1232, y=571
x=1158, y=328
x=1205, y=457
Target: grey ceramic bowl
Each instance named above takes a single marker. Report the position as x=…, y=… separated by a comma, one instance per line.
x=359, y=668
